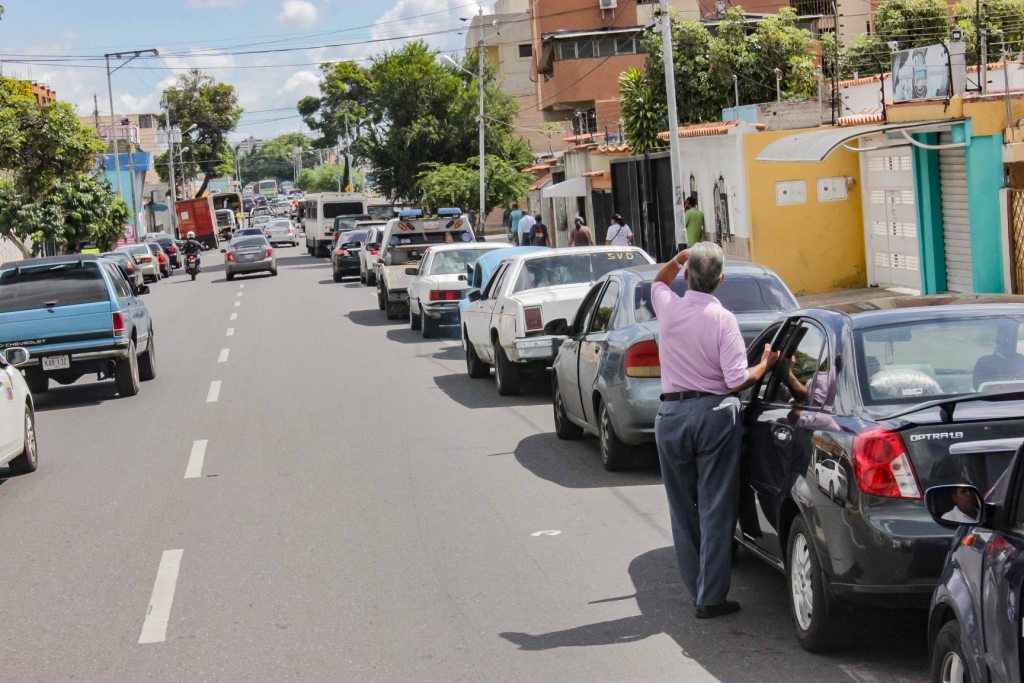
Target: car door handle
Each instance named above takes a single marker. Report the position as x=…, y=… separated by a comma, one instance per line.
x=782, y=435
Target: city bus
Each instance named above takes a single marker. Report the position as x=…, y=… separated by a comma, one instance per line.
x=267, y=188
x=318, y=213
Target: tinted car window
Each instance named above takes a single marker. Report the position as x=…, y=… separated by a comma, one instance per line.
x=572, y=269
x=120, y=284
x=335, y=209
x=352, y=236
x=64, y=284
x=738, y=293
x=453, y=262
x=802, y=373
x=250, y=243
x=602, y=320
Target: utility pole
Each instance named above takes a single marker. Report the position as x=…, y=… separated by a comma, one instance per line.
x=348, y=149
x=170, y=162
x=96, y=112
x=481, y=228
x=778, y=86
x=135, y=54
x=983, y=64
x=673, y=121
x=736, y=91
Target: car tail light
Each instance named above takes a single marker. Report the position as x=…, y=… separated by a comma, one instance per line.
x=882, y=467
x=291, y=231
x=341, y=252
x=373, y=252
x=173, y=250
x=269, y=251
x=229, y=256
x=118, y=323
x=534, y=318
x=642, y=360
x=445, y=295
x=145, y=259
x=129, y=267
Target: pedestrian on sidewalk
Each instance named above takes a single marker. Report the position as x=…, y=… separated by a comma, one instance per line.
x=619, y=234
x=694, y=219
x=513, y=224
x=698, y=429
x=525, y=224
x=538, y=235
x=581, y=235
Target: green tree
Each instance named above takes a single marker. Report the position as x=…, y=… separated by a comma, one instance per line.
x=642, y=112
x=324, y=178
x=912, y=23
x=445, y=185
x=1004, y=15
x=206, y=111
x=276, y=159
x=867, y=55
x=91, y=212
x=550, y=129
x=344, y=91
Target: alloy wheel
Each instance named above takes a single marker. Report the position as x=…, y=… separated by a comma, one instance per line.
x=801, y=587
x=30, y=440
x=953, y=669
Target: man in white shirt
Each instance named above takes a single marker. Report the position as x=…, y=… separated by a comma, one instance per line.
x=619, y=234
x=525, y=224
x=965, y=507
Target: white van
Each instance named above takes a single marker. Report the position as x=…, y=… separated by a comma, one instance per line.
x=318, y=213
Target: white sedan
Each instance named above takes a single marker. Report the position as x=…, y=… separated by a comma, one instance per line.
x=503, y=325
x=440, y=284
x=17, y=415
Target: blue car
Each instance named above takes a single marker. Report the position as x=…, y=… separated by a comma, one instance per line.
x=77, y=315
x=974, y=626
x=480, y=271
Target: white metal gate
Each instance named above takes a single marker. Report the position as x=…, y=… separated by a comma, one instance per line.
x=893, y=247
x=956, y=224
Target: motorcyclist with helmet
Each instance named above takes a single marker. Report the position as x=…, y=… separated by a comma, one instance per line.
x=193, y=246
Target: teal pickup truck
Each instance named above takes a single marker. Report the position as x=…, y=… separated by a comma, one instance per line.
x=77, y=315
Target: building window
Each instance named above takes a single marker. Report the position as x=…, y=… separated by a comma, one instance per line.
x=606, y=47
x=586, y=48
x=584, y=122
x=146, y=120
x=567, y=49
x=525, y=50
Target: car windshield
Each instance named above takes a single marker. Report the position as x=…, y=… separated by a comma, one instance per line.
x=572, y=269
x=911, y=362
x=352, y=236
x=453, y=261
x=737, y=293
x=137, y=249
x=65, y=284
x=279, y=223
x=249, y=243
x=260, y=220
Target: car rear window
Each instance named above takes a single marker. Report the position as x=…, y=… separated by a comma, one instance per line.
x=250, y=243
x=454, y=261
x=573, y=269
x=57, y=285
x=737, y=293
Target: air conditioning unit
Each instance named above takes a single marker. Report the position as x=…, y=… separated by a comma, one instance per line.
x=607, y=4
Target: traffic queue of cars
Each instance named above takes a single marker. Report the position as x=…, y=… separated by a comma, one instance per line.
x=868, y=449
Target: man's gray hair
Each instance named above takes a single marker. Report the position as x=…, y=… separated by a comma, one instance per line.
x=704, y=266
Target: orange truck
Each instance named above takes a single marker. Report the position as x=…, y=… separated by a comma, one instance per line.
x=197, y=215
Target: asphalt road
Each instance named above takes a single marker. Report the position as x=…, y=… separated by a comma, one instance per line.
x=361, y=510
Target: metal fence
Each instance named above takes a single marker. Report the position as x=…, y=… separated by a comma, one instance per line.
x=1016, y=214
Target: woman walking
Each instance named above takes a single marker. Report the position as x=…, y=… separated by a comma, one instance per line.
x=581, y=235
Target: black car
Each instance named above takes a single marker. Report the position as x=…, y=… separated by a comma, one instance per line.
x=345, y=256
x=170, y=247
x=869, y=406
x=973, y=626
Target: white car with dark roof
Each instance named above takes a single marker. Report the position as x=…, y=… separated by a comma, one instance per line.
x=440, y=284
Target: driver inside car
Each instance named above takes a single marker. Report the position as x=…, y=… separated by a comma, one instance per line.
x=1005, y=366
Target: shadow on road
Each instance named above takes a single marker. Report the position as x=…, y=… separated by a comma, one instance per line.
x=577, y=464
x=450, y=352
x=75, y=395
x=370, y=317
x=480, y=393
x=407, y=335
x=756, y=644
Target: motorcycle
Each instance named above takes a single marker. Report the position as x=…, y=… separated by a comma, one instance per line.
x=192, y=265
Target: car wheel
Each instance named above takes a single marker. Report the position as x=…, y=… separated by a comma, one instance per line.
x=415, y=321
x=563, y=428
x=273, y=272
x=147, y=364
x=337, y=276
x=475, y=368
x=831, y=489
x=947, y=656
x=615, y=455
x=380, y=298
x=362, y=277
x=38, y=383
x=230, y=276
x=506, y=375
x=126, y=373
x=430, y=326
x=814, y=616
x=29, y=458
x=393, y=310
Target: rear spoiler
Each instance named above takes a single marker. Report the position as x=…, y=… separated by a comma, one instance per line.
x=947, y=406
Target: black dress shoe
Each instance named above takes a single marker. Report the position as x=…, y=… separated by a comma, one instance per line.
x=719, y=610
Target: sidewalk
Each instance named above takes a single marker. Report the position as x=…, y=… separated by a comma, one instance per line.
x=852, y=296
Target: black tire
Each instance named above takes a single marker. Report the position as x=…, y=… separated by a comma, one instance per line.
x=126, y=373
x=230, y=276
x=380, y=298
x=430, y=326
x=393, y=310
x=564, y=429
x=475, y=368
x=947, y=653
x=29, y=458
x=615, y=455
x=337, y=276
x=147, y=363
x=507, y=377
x=362, y=278
x=38, y=383
x=194, y=273
x=273, y=273
x=415, y=321
x=818, y=623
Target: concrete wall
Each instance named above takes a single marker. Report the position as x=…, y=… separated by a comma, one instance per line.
x=814, y=246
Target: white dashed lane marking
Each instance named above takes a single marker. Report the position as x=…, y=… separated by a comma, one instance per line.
x=241, y=293
x=230, y=332
x=237, y=304
x=234, y=316
x=154, y=628
x=214, y=393
x=223, y=357
x=194, y=469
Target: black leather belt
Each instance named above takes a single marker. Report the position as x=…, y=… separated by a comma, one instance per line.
x=685, y=395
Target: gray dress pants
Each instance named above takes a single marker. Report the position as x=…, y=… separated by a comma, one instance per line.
x=699, y=447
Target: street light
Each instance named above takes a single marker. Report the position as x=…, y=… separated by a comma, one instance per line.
x=448, y=61
x=132, y=55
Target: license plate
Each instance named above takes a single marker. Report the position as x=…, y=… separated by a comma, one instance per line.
x=248, y=257
x=56, y=362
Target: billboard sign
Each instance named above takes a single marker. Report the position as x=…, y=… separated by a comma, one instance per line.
x=920, y=74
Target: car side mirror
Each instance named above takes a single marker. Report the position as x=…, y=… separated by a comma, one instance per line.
x=223, y=251
x=144, y=289
x=412, y=270
x=463, y=278
x=557, y=326
x=16, y=356
x=474, y=294
x=955, y=505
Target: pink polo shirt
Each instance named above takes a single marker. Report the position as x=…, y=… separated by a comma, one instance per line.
x=700, y=344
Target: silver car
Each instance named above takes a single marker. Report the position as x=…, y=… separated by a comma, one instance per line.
x=149, y=263
x=281, y=231
x=606, y=379
x=251, y=254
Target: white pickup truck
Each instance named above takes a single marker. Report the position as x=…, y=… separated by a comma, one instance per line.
x=402, y=245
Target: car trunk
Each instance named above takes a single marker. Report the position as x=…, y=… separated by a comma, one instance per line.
x=559, y=301
x=62, y=323
x=250, y=254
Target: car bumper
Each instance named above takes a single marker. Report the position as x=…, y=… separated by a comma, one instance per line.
x=249, y=266
x=636, y=402
x=535, y=349
x=349, y=264
x=112, y=351
x=446, y=312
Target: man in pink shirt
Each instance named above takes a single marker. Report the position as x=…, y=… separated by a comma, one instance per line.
x=703, y=366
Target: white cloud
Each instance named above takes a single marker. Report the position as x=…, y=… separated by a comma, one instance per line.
x=430, y=15
x=300, y=84
x=298, y=14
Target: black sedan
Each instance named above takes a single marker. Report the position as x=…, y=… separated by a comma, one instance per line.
x=170, y=247
x=869, y=406
x=345, y=255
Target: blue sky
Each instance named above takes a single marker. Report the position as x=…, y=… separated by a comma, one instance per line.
x=61, y=43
